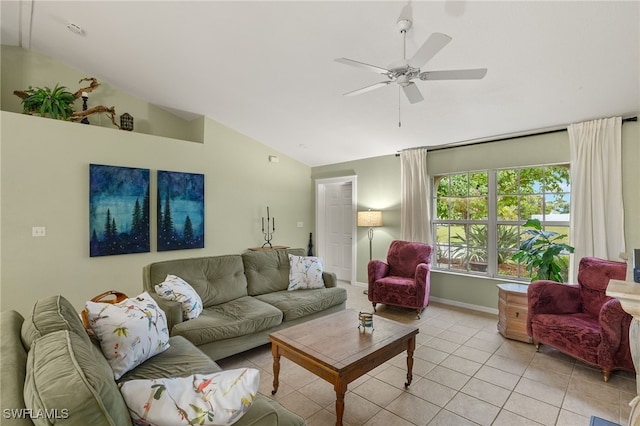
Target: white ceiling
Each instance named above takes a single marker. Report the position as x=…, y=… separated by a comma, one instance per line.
x=267, y=68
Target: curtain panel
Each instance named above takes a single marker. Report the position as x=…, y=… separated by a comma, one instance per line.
x=597, y=213
x=415, y=216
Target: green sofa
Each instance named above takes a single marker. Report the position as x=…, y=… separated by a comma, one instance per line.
x=245, y=298
x=51, y=362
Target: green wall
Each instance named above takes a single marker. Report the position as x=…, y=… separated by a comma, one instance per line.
x=44, y=170
x=379, y=187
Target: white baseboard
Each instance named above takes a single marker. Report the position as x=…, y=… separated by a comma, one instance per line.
x=449, y=302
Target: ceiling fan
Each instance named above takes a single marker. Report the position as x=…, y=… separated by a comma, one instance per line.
x=404, y=71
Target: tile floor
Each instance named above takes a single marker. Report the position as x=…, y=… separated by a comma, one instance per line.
x=464, y=373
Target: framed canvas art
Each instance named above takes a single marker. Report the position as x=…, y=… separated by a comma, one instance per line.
x=118, y=210
x=180, y=210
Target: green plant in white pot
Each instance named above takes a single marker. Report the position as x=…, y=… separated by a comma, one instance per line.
x=545, y=257
x=54, y=103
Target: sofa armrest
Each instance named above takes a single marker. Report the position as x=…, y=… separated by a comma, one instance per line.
x=172, y=310
x=423, y=284
x=330, y=279
x=613, y=322
x=550, y=297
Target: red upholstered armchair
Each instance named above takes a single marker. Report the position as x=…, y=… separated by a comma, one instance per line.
x=580, y=319
x=404, y=279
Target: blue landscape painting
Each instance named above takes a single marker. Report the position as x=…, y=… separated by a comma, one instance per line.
x=118, y=210
x=180, y=210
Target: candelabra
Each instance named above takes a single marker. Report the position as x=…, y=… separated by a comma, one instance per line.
x=271, y=228
x=85, y=97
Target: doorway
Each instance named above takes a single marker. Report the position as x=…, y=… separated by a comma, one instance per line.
x=335, y=225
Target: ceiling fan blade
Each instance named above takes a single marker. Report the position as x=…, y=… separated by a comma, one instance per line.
x=412, y=93
x=363, y=65
x=428, y=50
x=470, y=74
x=367, y=89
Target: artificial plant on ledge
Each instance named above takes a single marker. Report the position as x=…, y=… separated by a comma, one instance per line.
x=543, y=255
x=58, y=102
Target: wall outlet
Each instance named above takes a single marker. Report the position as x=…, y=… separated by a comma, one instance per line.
x=300, y=224
x=38, y=231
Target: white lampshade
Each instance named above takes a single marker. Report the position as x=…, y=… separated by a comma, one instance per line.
x=370, y=218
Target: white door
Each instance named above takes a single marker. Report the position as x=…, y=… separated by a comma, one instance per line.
x=339, y=223
x=335, y=225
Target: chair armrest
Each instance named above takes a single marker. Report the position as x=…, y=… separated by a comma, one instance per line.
x=550, y=297
x=422, y=279
x=376, y=269
x=613, y=322
x=330, y=279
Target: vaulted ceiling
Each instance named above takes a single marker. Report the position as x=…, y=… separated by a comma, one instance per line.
x=268, y=70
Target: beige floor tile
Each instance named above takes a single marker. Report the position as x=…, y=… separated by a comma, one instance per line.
x=507, y=418
x=448, y=377
x=447, y=418
x=473, y=409
x=550, y=377
x=541, y=391
x=516, y=350
x=377, y=391
x=429, y=354
x=320, y=391
x=385, y=418
x=413, y=409
x=532, y=409
x=420, y=366
x=567, y=418
x=513, y=366
x=442, y=345
x=498, y=377
x=322, y=418
x=487, y=345
x=463, y=329
x=432, y=392
x=486, y=391
x=454, y=337
x=395, y=376
x=472, y=354
x=300, y=404
x=461, y=365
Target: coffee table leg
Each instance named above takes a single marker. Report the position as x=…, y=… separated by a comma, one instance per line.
x=411, y=346
x=276, y=367
x=341, y=389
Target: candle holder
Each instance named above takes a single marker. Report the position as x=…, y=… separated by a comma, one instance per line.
x=85, y=98
x=365, y=320
x=271, y=228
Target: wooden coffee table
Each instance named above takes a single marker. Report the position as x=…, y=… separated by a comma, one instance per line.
x=335, y=349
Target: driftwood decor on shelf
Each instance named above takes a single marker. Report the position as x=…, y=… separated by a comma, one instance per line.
x=58, y=102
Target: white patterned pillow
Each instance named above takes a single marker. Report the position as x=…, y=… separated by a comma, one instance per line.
x=305, y=272
x=202, y=399
x=176, y=289
x=130, y=332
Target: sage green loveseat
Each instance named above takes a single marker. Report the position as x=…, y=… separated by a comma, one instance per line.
x=50, y=361
x=245, y=298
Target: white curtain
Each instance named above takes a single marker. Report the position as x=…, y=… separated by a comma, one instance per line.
x=597, y=214
x=415, y=217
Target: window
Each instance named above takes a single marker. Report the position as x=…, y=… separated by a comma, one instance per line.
x=479, y=216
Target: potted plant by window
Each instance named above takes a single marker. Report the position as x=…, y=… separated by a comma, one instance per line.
x=544, y=256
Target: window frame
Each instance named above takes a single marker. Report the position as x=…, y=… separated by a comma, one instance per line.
x=492, y=220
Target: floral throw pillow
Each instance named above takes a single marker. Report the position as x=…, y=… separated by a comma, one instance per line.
x=176, y=289
x=305, y=272
x=201, y=399
x=130, y=332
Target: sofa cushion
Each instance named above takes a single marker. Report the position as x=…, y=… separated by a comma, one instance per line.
x=14, y=361
x=576, y=334
x=180, y=360
x=51, y=314
x=63, y=374
x=268, y=271
x=235, y=318
x=130, y=332
x=300, y=303
x=217, y=279
x=205, y=399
